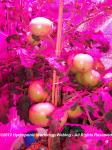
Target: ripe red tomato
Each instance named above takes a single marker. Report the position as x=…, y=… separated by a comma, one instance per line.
x=39, y=113
x=36, y=92
x=83, y=62
x=90, y=78
x=41, y=26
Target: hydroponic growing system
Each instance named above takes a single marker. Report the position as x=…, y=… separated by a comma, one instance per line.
x=55, y=75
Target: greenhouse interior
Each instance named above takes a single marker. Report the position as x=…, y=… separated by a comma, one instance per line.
x=55, y=74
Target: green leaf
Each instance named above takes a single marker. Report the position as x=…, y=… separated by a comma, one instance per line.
x=66, y=129
x=77, y=129
x=90, y=108
x=108, y=116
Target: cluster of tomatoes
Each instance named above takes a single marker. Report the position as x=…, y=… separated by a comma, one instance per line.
x=83, y=66
x=87, y=72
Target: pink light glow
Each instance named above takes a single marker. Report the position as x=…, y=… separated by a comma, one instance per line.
x=47, y=56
